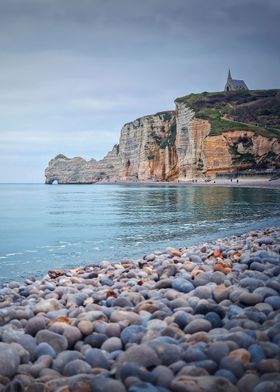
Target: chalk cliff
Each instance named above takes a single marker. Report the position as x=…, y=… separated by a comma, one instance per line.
x=197, y=140
x=147, y=148
x=77, y=170
x=146, y=151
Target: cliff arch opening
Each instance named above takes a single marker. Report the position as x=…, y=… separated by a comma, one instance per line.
x=52, y=181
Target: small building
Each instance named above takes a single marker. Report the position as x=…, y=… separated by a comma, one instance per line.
x=235, y=84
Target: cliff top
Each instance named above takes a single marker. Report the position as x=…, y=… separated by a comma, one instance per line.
x=166, y=115
x=256, y=110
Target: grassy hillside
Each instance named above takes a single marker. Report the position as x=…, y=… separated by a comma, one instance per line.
x=256, y=110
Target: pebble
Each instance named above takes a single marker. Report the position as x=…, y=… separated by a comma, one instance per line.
x=105, y=384
x=45, y=349
x=250, y=299
x=202, y=292
x=143, y=387
x=9, y=360
x=123, y=315
x=248, y=382
x=218, y=350
x=233, y=365
x=202, y=279
x=85, y=327
x=182, y=285
x=198, y=318
x=214, y=319
x=240, y=354
x=95, y=340
x=132, y=369
x=163, y=375
x=173, y=251
x=77, y=366
x=273, y=301
x=193, y=354
x=203, y=383
x=166, y=349
x=143, y=355
x=112, y=344
x=65, y=357
x=256, y=352
x=269, y=365
x=197, y=326
x=48, y=305
x=133, y=334
x=57, y=342
x=268, y=386
x=226, y=374
x=96, y=358
x=193, y=371
x=35, y=324
x=220, y=293
x=72, y=334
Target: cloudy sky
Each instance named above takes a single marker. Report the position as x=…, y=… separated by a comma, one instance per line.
x=72, y=72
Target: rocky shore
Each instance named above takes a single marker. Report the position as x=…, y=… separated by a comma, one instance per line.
x=203, y=318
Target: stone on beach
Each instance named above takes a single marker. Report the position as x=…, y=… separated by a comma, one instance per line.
x=35, y=324
x=9, y=360
x=86, y=327
x=173, y=251
x=182, y=285
x=197, y=326
x=203, y=318
x=56, y=341
x=143, y=355
x=202, y=383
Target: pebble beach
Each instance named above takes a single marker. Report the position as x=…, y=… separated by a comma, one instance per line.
x=196, y=319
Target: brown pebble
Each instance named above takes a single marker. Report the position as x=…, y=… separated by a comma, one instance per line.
x=53, y=274
x=241, y=354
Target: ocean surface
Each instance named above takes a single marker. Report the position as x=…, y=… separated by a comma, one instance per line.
x=60, y=226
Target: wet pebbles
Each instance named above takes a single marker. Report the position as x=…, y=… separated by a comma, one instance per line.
x=203, y=318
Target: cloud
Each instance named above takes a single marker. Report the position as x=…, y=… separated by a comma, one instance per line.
x=72, y=72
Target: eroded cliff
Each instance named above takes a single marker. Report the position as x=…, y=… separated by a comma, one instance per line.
x=147, y=148
x=146, y=151
x=197, y=140
x=77, y=170
x=239, y=150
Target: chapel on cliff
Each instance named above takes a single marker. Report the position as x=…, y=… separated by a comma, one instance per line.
x=234, y=84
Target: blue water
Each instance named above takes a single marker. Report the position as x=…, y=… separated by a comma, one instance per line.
x=45, y=227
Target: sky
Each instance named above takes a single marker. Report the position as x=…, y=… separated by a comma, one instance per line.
x=73, y=72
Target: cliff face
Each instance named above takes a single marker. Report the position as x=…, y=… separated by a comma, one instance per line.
x=146, y=151
x=70, y=171
x=77, y=170
x=189, y=142
x=178, y=145
x=147, y=148
x=238, y=150
x=201, y=154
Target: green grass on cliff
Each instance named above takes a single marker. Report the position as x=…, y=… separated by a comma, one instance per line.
x=256, y=110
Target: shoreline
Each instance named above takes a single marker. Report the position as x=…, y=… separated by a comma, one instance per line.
x=242, y=183
x=205, y=316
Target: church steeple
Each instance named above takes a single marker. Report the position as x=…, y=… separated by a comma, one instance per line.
x=229, y=75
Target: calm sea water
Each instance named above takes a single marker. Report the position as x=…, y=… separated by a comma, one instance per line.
x=45, y=227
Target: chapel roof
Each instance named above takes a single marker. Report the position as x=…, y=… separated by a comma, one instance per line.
x=238, y=83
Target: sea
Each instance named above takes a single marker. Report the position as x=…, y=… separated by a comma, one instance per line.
x=45, y=227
